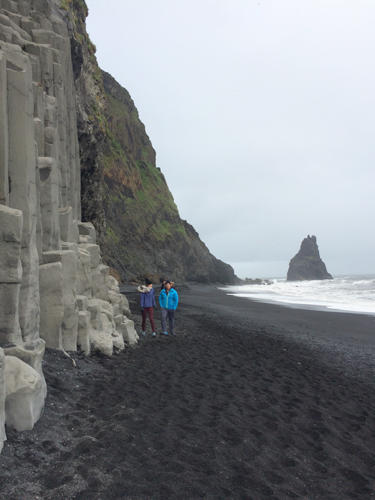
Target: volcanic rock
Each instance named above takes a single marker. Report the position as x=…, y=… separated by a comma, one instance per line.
x=307, y=264
x=48, y=255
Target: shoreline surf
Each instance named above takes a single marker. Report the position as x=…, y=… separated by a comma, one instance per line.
x=307, y=307
x=348, y=294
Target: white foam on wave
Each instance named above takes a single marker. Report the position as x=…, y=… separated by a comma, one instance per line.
x=346, y=293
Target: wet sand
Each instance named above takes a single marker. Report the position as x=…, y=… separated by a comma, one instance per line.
x=249, y=400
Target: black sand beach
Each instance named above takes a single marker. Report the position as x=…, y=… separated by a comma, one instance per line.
x=249, y=400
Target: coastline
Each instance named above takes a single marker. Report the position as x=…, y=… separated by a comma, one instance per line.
x=343, y=339
x=320, y=295
x=295, y=305
x=328, y=327
x=249, y=400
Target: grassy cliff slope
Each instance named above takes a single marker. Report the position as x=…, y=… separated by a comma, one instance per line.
x=123, y=191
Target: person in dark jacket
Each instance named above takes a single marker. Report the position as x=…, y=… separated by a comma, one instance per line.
x=168, y=300
x=147, y=306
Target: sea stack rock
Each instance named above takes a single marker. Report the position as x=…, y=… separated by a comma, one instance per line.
x=307, y=264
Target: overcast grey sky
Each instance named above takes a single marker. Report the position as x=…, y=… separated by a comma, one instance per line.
x=262, y=114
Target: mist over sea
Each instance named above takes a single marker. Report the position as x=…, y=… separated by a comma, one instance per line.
x=350, y=293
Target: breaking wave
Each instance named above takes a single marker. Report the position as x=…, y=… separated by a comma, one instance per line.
x=345, y=293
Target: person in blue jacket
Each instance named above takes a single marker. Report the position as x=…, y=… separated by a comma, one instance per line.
x=168, y=300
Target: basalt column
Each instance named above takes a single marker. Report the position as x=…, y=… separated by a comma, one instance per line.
x=22, y=181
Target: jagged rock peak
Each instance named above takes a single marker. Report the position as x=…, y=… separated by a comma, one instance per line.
x=307, y=264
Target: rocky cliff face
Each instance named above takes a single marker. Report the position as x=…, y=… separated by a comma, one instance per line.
x=144, y=232
x=55, y=290
x=123, y=192
x=307, y=264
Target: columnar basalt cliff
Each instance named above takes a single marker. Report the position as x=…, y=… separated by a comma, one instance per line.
x=307, y=264
x=55, y=290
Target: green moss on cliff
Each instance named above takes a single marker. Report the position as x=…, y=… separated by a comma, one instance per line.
x=123, y=192
x=139, y=207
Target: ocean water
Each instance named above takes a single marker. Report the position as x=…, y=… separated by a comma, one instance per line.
x=344, y=293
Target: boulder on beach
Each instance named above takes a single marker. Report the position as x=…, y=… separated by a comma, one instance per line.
x=25, y=392
x=307, y=264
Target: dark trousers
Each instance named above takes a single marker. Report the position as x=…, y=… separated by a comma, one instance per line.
x=167, y=313
x=148, y=311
